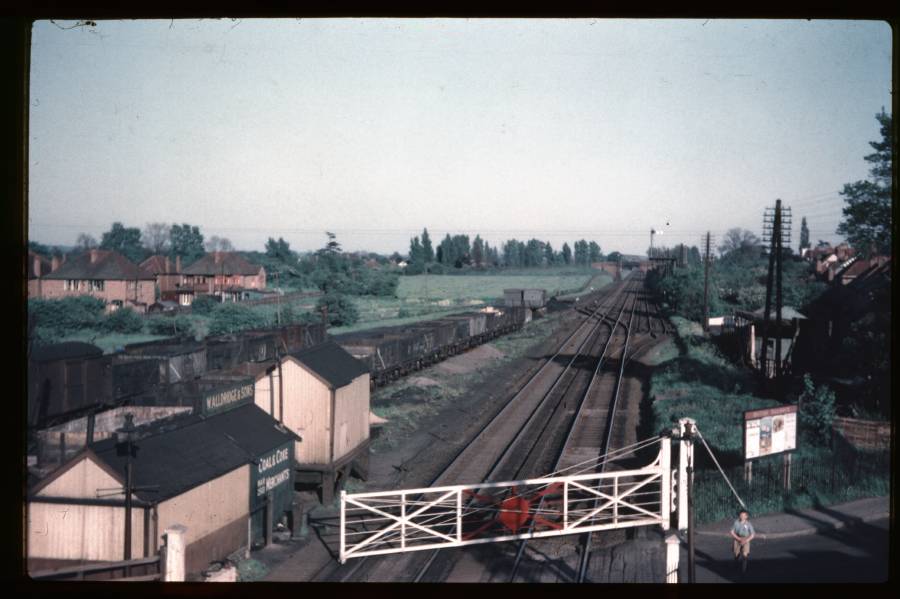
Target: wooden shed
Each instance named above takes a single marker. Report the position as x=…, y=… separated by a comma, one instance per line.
x=198, y=472
x=321, y=394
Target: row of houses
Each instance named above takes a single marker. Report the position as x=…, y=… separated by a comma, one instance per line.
x=840, y=264
x=111, y=277
x=219, y=446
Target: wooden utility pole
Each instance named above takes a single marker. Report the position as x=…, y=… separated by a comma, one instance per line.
x=777, y=228
x=706, y=286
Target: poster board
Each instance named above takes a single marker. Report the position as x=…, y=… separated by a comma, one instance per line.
x=770, y=431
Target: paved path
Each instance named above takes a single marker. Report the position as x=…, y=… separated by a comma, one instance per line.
x=843, y=543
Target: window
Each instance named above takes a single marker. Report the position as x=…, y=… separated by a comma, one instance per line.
x=96, y=285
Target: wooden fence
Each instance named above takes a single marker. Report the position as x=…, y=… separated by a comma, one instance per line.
x=865, y=434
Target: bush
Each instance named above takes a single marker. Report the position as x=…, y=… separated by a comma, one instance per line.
x=816, y=411
x=123, y=320
x=341, y=311
x=231, y=318
x=170, y=326
x=204, y=305
x=56, y=318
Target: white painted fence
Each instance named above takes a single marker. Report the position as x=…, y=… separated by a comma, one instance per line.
x=386, y=522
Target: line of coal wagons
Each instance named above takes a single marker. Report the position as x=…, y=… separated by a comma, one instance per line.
x=393, y=352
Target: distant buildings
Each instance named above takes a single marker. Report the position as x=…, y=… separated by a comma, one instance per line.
x=111, y=277
x=104, y=274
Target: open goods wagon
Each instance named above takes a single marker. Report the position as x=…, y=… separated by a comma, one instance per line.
x=392, y=352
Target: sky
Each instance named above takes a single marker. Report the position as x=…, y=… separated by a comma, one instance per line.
x=559, y=129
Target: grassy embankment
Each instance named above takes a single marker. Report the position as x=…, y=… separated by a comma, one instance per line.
x=692, y=379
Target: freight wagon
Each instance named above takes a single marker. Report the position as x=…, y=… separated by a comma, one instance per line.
x=392, y=352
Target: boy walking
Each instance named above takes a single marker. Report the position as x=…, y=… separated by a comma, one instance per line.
x=742, y=532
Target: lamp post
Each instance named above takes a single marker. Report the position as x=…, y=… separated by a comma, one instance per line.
x=125, y=438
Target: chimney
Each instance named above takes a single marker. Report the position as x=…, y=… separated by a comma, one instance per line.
x=54, y=264
x=217, y=257
x=95, y=255
x=168, y=266
x=178, y=264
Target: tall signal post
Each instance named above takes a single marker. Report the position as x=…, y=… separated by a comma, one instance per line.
x=777, y=233
x=707, y=258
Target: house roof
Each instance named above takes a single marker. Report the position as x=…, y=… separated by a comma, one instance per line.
x=222, y=263
x=181, y=454
x=331, y=362
x=46, y=265
x=67, y=350
x=108, y=265
x=157, y=265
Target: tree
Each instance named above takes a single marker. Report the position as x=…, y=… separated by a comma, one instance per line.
x=416, y=253
x=804, y=235
x=614, y=256
x=581, y=252
x=566, y=254
x=125, y=240
x=340, y=310
x=594, y=254
x=738, y=239
x=447, y=251
x=156, y=237
x=218, y=244
x=533, y=252
x=232, y=318
x=478, y=251
x=86, y=242
x=280, y=250
x=204, y=305
x=186, y=241
x=427, y=249
x=123, y=320
x=817, y=411
x=867, y=214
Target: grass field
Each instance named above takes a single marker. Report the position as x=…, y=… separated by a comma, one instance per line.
x=423, y=297
x=487, y=287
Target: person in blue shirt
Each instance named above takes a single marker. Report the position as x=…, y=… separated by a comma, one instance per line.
x=742, y=532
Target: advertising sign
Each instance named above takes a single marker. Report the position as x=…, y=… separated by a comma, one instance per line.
x=770, y=431
x=273, y=473
x=225, y=398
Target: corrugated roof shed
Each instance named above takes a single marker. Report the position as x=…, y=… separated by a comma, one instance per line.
x=178, y=455
x=332, y=363
x=175, y=460
x=106, y=265
x=222, y=263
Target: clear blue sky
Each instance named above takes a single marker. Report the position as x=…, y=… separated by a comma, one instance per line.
x=374, y=128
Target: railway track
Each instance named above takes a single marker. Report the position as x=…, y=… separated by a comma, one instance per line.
x=559, y=415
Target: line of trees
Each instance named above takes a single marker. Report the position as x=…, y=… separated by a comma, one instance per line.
x=457, y=251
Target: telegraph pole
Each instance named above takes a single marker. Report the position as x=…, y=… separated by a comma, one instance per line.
x=706, y=286
x=776, y=227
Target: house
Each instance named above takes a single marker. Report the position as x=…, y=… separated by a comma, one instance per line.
x=38, y=267
x=224, y=274
x=103, y=274
x=320, y=393
x=168, y=274
x=210, y=475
